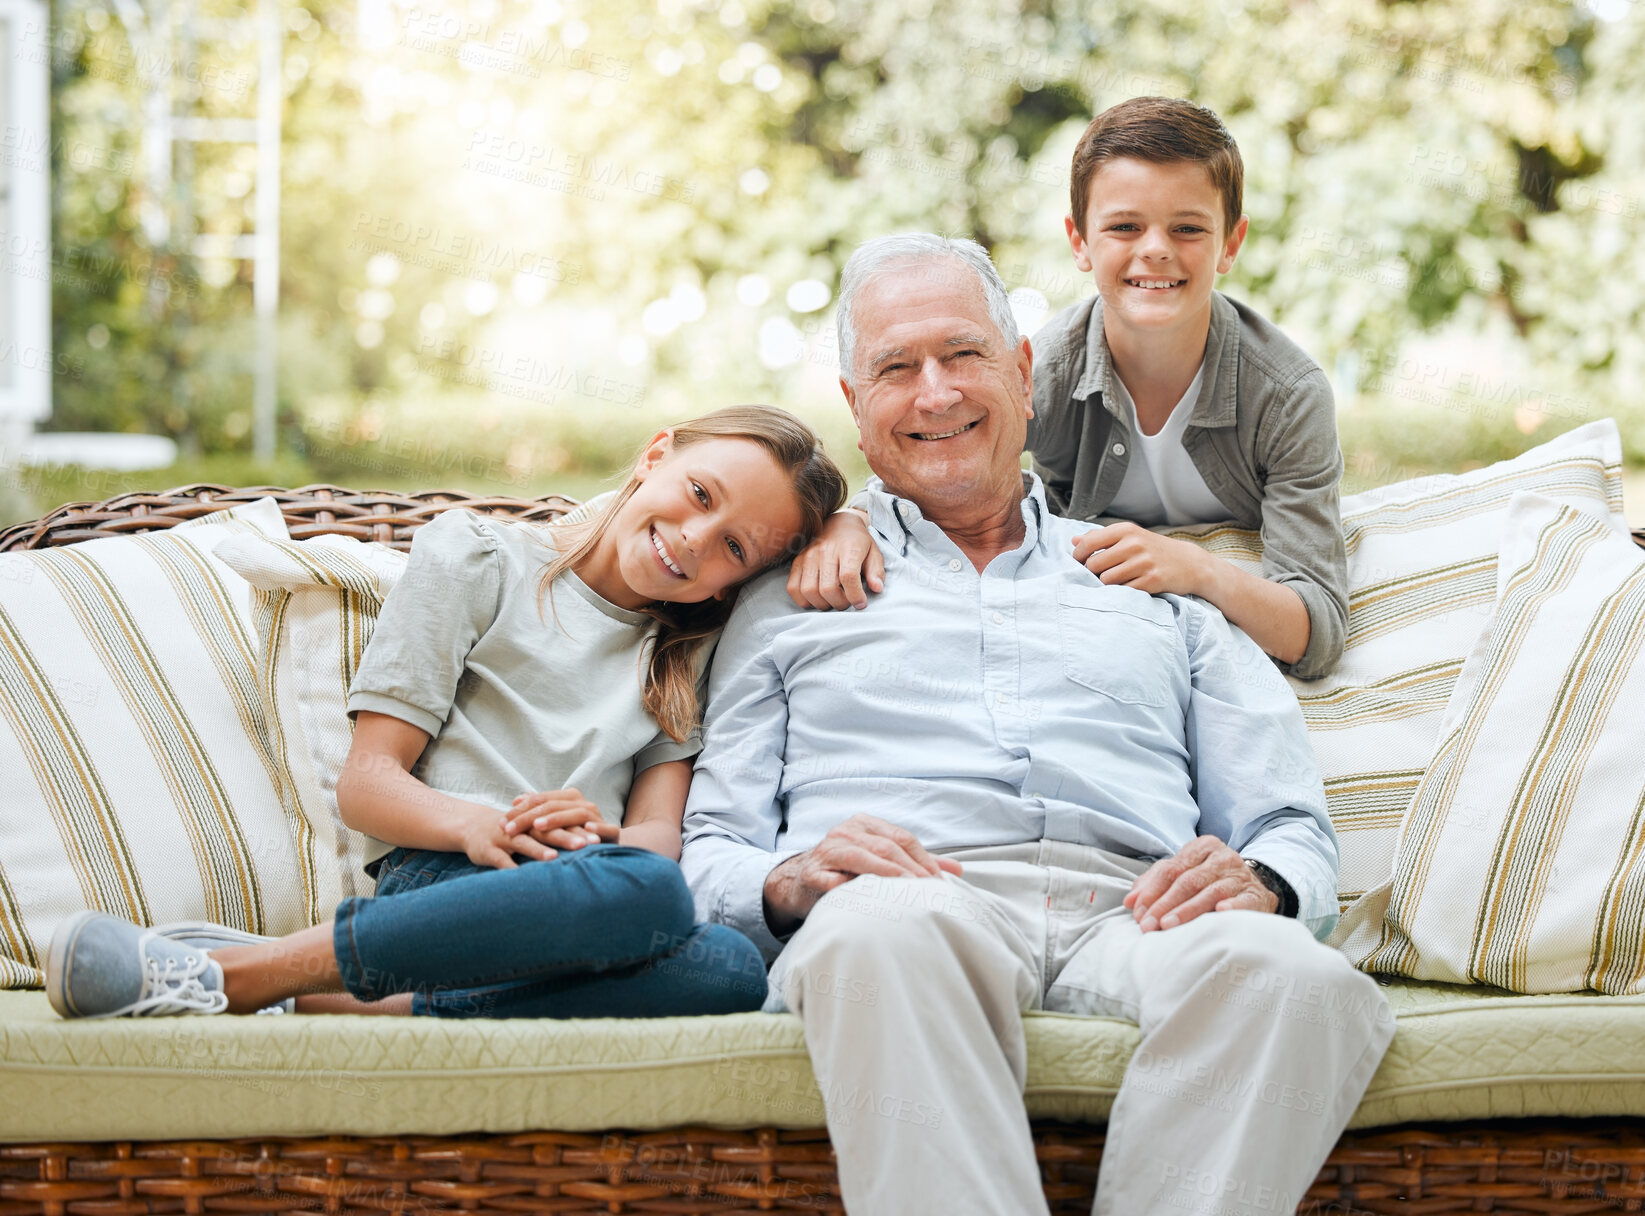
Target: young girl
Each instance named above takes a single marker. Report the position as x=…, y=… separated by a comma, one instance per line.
x=503, y=731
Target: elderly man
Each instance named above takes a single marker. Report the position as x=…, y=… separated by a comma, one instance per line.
x=1007, y=786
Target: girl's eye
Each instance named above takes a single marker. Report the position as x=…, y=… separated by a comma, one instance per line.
x=702, y=494
x=736, y=549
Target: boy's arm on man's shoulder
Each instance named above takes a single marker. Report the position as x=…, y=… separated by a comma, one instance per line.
x=732, y=815
x=1301, y=512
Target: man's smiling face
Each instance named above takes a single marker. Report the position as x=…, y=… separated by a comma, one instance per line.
x=941, y=402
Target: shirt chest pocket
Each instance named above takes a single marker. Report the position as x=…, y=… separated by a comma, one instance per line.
x=1118, y=642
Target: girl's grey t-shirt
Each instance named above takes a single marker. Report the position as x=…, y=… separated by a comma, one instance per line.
x=514, y=701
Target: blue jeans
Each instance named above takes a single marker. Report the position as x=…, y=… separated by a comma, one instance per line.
x=601, y=931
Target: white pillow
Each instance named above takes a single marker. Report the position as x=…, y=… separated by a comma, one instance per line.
x=1421, y=582
x=1521, y=862
x=138, y=777
x=316, y=604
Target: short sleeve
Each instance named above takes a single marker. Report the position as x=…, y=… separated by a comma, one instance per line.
x=443, y=604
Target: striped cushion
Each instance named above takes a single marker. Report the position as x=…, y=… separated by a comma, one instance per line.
x=1521, y=862
x=315, y=603
x=1422, y=559
x=137, y=775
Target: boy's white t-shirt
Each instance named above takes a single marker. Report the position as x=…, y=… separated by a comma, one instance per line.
x=1161, y=484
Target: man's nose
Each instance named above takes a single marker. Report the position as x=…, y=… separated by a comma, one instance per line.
x=935, y=391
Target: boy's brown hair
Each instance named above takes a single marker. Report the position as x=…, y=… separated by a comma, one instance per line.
x=1164, y=130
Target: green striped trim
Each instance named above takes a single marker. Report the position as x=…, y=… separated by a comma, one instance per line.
x=1617, y=958
x=1556, y=558
x=1575, y=476
x=13, y=932
x=14, y=974
x=81, y=808
x=202, y=803
x=1361, y=801
x=327, y=567
x=1517, y=882
x=1404, y=694
x=269, y=612
x=211, y=611
x=1386, y=607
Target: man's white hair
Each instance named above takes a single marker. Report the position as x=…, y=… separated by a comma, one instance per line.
x=886, y=254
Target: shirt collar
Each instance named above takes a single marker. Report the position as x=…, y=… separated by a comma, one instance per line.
x=1215, y=405
x=895, y=517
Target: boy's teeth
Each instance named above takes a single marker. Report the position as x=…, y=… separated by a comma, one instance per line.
x=1154, y=284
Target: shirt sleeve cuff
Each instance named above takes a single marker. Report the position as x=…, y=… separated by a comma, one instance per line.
x=1316, y=897
x=742, y=905
x=382, y=703
x=1325, y=638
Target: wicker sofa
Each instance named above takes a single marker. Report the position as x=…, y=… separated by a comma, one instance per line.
x=1487, y=1102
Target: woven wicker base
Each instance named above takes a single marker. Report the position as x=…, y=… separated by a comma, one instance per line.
x=1523, y=1168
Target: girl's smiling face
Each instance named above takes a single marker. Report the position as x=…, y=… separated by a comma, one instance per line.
x=1153, y=239
x=704, y=517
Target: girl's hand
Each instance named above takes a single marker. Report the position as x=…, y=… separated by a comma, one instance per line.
x=831, y=570
x=561, y=818
x=488, y=842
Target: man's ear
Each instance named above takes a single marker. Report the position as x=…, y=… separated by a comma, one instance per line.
x=851, y=400
x=662, y=443
x=1025, y=367
x=1231, y=247
x=1076, y=242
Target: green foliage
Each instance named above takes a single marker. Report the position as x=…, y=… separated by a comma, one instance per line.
x=586, y=217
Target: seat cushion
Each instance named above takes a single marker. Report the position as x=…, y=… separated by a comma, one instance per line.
x=1458, y=1053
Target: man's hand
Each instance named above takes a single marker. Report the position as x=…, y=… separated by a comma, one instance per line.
x=862, y=844
x=560, y=818
x=1129, y=555
x=831, y=570
x=1205, y=876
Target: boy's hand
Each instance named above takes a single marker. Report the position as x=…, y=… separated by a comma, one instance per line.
x=831, y=570
x=561, y=818
x=1129, y=555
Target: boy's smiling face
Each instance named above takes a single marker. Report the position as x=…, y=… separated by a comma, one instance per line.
x=1154, y=240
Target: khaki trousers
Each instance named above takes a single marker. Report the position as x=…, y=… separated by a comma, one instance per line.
x=1257, y=1040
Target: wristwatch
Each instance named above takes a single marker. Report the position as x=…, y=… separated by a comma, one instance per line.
x=1276, y=884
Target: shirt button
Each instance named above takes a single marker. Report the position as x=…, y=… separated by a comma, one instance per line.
x=1119, y=449
x=999, y=618
x=953, y=563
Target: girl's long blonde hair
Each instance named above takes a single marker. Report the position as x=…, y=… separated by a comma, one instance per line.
x=670, y=686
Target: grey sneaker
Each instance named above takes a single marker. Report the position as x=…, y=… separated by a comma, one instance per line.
x=101, y=966
x=207, y=936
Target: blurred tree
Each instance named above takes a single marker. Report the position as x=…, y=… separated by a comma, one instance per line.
x=590, y=206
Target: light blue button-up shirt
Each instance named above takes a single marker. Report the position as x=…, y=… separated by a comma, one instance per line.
x=1028, y=701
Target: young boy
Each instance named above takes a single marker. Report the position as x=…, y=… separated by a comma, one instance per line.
x=1161, y=401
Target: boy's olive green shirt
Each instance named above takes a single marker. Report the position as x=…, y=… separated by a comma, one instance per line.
x=1263, y=435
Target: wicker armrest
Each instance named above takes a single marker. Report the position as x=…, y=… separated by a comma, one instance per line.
x=309, y=510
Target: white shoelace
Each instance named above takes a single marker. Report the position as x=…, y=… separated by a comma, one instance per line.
x=174, y=988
